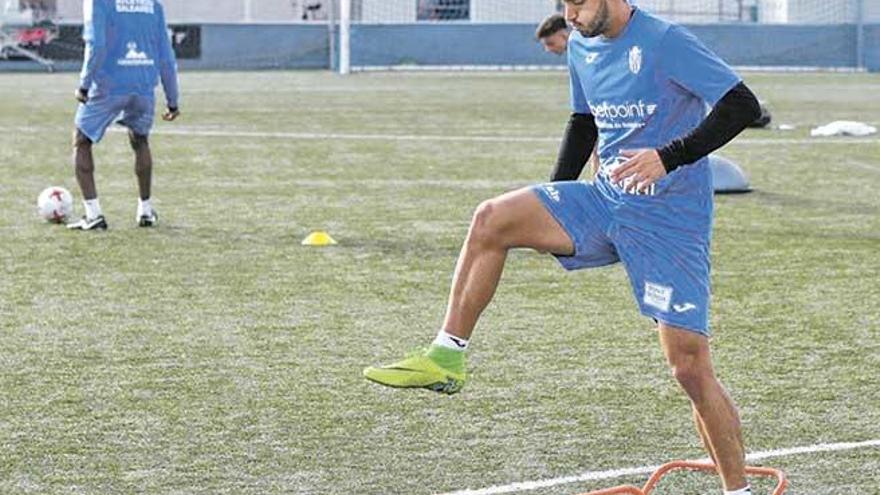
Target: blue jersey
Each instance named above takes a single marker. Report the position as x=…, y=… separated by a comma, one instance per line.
x=127, y=49
x=649, y=85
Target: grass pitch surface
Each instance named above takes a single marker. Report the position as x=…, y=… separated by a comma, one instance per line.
x=214, y=354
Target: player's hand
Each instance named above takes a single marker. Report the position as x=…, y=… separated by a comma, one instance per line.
x=642, y=169
x=171, y=114
x=81, y=95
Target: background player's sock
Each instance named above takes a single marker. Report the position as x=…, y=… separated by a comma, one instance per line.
x=93, y=208
x=446, y=339
x=742, y=491
x=145, y=207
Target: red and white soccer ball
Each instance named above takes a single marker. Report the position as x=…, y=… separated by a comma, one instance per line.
x=55, y=204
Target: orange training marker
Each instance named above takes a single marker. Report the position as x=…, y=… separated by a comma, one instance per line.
x=781, y=481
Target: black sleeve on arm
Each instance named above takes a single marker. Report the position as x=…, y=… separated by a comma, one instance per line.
x=580, y=137
x=736, y=110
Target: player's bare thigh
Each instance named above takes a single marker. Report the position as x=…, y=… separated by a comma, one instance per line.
x=519, y=219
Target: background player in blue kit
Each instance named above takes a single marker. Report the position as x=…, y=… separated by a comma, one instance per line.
x=553, y=34
x=641, y=86
x=127, y=51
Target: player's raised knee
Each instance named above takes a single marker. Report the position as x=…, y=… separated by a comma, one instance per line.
x=487, y=223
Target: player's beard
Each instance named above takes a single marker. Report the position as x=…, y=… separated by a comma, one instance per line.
x=600, y=23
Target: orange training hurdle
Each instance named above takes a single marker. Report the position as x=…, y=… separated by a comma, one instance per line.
x=781, y=481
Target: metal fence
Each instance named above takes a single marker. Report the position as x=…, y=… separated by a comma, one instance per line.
x=240, y=34
x=687, y=11
x=486, y=11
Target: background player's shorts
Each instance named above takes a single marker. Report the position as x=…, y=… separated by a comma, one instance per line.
x=668, y=268
x=95, y=116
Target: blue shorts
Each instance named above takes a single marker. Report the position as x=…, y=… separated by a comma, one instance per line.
x=664, y=247
x=95, y=116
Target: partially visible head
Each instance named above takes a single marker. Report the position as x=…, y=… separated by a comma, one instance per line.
x=597, y=17
x=552, y=33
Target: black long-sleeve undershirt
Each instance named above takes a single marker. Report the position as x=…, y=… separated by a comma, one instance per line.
x=578, y=142
x=734, y=112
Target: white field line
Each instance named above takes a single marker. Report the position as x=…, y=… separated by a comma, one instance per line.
x=462, y=138
x=865, y=166
x=401, y=183
x=642, y=470
x=331, y=136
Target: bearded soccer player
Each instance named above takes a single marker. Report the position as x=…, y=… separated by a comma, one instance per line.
x=641, y=86
x=127, y=51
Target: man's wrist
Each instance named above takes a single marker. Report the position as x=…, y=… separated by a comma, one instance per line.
x=670, y=156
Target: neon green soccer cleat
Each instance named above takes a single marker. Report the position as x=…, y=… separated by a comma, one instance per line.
x=420, y=371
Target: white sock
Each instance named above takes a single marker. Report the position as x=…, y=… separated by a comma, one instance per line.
x=93, y=208
x=450, y=341
x=742, y=491
x=144, y=207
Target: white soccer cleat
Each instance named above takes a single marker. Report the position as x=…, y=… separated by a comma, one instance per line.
x=89, y=224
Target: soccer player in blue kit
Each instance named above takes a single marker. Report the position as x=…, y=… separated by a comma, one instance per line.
x=127, y=51
x=641, y=86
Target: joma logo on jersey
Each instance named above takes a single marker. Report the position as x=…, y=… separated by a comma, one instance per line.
x=135, y=6
x=627, y=110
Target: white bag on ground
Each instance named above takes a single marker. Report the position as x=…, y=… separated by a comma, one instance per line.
x=843, y=128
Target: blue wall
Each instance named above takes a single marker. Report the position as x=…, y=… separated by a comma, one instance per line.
x=448, y=44
x=513, y=44
x=806, y=46
x=269, y=46
x=305, y=46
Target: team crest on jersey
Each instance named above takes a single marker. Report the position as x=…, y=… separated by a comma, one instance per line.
x=635, y=59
